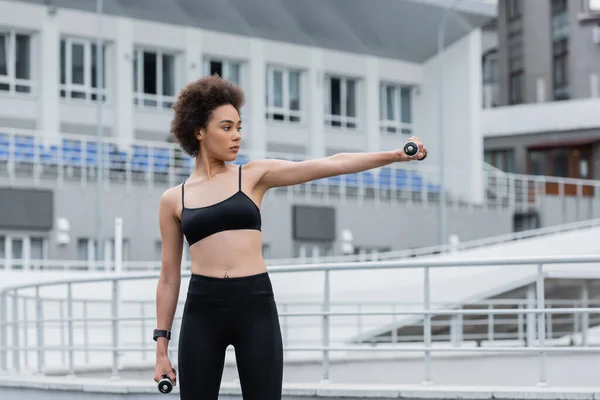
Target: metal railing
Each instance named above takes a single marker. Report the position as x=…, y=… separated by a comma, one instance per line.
x=29, y=324
x=34, y=158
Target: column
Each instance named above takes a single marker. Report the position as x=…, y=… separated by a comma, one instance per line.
x=121, y=87
x=48, y=77
x=315, y=104
x=192, y=59
x=372, y=105
x=257, y=135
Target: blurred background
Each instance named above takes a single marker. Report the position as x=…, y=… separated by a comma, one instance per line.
x=504, y=93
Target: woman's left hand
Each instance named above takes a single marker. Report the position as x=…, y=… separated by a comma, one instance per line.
x=421, y=154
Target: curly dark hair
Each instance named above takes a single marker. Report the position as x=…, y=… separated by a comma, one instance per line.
x=194, y=107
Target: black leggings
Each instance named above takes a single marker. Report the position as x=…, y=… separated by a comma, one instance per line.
x=238, y=311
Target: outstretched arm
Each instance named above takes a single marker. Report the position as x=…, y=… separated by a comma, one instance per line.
x=276, y=173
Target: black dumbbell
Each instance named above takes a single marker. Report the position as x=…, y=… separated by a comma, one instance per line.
x=411, y=148
x=165, y=385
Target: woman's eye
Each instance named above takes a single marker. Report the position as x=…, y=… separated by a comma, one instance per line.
x=226, y=128
x=239, y=128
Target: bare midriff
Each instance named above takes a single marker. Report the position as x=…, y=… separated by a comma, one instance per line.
x=228, y=254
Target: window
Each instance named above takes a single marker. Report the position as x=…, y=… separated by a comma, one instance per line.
x=516, y=84
x=24, y=251
x=490, y=79
x=78, y=70
x=516, y=87
x=537, y=163
x=15, y=62
x=283, y=94
x=226, y=69
x=395, y=111
x=340, y=102
x=560, y=45
x=513, y=9
x=154, y=79
x=504, y=160
x=559, y=162
x=86, y=249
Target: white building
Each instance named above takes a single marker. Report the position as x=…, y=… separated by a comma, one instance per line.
x=321, y=77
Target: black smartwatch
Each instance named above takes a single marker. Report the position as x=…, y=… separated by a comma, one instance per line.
x=161, y=333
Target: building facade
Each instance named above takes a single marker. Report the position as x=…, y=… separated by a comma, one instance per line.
x=313, y=88
x=545, y=71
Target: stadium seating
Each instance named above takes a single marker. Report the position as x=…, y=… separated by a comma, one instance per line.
x=156, y=159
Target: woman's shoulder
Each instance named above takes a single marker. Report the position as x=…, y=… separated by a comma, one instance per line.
x=170, y=196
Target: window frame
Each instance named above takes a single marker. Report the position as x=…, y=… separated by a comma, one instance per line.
x=399, y=126
x=67, y=88
x=285, y=111
x=226, y=64
x=158, y=101
x=343, y=119
x=10, y=78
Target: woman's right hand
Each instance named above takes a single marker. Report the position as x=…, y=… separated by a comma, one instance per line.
x=164, y=367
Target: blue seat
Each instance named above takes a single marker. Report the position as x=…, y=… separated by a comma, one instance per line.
x=161, y=160
x=118, y=160
x=24, y=150
x=401, y=179
x=368, y=180
x=385, y=178
x=49, y=156
x=433, y=188
x=417, y=182
x=352, y=180
x=334, y=180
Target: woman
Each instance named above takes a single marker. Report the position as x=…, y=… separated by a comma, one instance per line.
x=217, y=210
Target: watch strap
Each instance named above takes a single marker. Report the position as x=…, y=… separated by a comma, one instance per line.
x=161, y=333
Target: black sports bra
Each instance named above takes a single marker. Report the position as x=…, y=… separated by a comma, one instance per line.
x=236, y=212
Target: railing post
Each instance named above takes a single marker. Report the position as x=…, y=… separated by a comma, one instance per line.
x=115, y=329
x=40, y=331
x=585, y=317
x=62, y=330
x=25, y=333
x=71, y=373
x=427, y=326
x=143, y=329
x=286, y=329
x=86, y=338
x=395, y=331
x=325, y=334
x=541, y=305
x=3, y=332
x=15, y=326
x=491, y=323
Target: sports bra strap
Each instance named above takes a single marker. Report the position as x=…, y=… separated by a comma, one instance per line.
x=240, y=179
x=182, y=193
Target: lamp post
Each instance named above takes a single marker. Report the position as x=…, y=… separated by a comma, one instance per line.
x=100, y=147
x=441, y=44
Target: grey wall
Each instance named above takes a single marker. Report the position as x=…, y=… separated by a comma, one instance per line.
x=519, y=143
x=400, y=226
x=17, y=123
x=537, y=48
x=555, y=210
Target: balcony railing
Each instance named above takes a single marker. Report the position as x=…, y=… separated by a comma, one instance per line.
x=79, y=323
